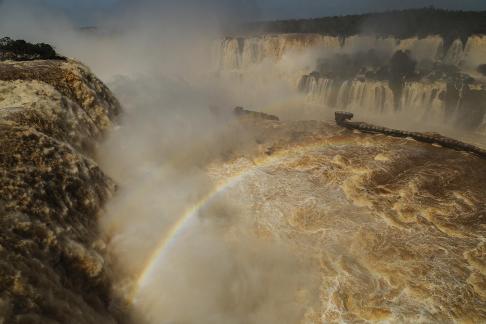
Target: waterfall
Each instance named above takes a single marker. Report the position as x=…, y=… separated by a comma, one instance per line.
x=286, y=57
x=475, y=51
x=455, y=54
x=241, y=52
x=318, y=90
x=371, y=96
x=424, y=100
x=353, y=95
x=229, y=56
x=428, y=48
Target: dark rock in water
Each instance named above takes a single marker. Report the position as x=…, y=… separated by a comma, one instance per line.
x=20, y=50
x=482, y=69
x=342, y=117
x=53, y=266
x=241, y=112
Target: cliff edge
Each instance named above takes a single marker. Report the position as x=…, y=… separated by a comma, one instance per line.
x=53, y=266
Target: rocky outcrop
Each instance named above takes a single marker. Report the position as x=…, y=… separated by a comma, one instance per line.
x=344, y=119
x=241, y=112
x=53, y=266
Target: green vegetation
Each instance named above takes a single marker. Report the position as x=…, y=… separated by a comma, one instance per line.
x=21, y=50
x=402, y=24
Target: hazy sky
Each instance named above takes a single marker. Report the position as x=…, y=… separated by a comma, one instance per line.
x=84, y=11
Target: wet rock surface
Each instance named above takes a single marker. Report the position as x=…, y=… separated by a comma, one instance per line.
x=241, y=112
x=53, y=265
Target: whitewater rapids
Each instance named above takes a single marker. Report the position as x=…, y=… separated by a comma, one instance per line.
x=396, y=227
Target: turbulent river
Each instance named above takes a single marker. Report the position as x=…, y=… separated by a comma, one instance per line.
x=395, y=227
x=317, y=224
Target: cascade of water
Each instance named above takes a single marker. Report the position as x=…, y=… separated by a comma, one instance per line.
x=428, y=48
x=230, y=57
x=239, y=53
x=372, y=96
x=475, y=52
x=424, y=100
x=420, y=100
x=318, y=90
x=455, y=53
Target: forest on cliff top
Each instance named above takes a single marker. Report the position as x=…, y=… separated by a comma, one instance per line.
x=399, y=23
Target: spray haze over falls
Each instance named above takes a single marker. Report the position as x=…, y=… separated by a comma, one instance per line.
x=226, y=219
x=251, y=275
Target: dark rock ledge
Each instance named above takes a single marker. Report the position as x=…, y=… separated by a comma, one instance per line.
x=344, y=119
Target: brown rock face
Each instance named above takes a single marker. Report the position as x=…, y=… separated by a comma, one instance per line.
x=53, y=267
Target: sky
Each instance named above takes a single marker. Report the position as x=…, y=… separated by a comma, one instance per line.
x=85, y=12
x=313, y=8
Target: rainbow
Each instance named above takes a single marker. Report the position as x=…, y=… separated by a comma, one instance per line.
x=190, y=215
